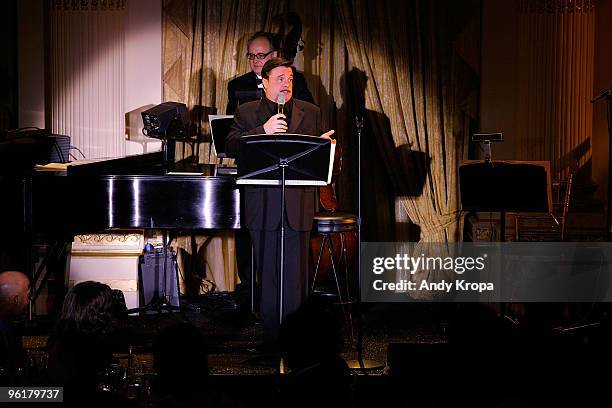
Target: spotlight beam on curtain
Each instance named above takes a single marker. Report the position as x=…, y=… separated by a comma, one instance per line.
x=400, y=58
x=416, y=78
x=204, y=47
x=86, y=98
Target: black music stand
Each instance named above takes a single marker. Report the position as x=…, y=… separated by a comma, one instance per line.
x=607, y=94
x=219, y=130
x=501, y=186
x=284, y=160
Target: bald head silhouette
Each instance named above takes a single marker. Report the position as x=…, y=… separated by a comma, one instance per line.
x=14, y=294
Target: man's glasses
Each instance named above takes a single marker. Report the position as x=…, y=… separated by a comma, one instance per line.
x=259, y=55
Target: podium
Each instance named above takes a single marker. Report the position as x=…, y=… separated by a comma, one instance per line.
x=283, y=159
x=501, y=186
x=302, y=160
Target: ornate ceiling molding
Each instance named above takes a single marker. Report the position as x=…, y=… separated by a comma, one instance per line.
x=87, y=5
x=556, y=6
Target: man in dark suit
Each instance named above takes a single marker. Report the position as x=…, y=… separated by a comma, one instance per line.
x=249, y=87
x=263, y=212
x=246, y=88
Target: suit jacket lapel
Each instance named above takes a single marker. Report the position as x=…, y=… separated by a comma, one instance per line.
x=297, y=114
x=253, y=79
x=261, y=113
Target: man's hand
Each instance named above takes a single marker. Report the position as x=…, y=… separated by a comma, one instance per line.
x=327, y=135
x=276, y=124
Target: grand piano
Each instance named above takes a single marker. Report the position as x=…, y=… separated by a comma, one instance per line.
x=132, y=192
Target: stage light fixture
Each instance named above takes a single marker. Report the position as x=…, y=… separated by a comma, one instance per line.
x=166, y=121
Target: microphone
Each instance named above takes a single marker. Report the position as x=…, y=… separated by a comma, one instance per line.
x=280, y=100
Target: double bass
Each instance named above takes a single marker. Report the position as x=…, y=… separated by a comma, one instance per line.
x=291, y=43
x=328, y=203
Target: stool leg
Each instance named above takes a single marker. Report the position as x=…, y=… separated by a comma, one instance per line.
x=343, y=252
x=330, y=249
x=344, y=258
x=314, y=278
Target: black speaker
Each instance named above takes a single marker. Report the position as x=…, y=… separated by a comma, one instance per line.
x=151, y=275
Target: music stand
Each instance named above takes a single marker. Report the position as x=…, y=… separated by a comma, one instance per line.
x=501, y=186
x=285, y=160
x=607, y=94
x=219, y=130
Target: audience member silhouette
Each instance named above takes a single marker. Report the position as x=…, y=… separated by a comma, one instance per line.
x=180, y=359
x=14, y=298
x=311, y=340
x=79, y=349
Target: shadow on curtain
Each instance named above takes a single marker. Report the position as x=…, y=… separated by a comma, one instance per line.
x=420, y=59
x=411, y=68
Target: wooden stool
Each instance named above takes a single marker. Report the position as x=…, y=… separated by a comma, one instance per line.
x=327, y=224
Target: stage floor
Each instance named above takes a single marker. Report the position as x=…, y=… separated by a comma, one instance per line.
x=462, y=346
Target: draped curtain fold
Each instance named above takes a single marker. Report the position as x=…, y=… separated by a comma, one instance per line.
x=409, y=67
x=555, y=75
x=204, y=47
x=423, y=87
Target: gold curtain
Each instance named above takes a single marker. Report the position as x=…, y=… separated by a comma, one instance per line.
x=410, y=67
x=204, y=47
x=555, y=77
x=420, y=94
